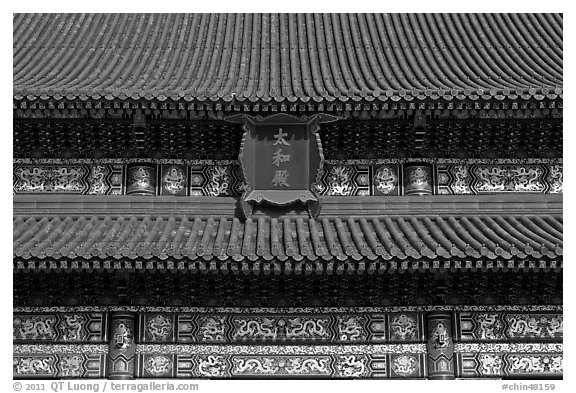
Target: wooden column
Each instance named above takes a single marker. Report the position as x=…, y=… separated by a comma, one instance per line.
x=440, y=346
x=122, y=349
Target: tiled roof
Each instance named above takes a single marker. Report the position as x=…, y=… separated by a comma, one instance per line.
x=352, y=239
x=287, y=57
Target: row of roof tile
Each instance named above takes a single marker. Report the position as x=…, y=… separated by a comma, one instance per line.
x=352, y=238
x=285, y=57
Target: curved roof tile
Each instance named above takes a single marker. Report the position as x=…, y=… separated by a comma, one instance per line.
x=277, y=57
x=300, y=239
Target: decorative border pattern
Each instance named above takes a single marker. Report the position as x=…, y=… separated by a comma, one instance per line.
x=22, y=349
x=340, y=178
x=294, y=310
x=271, y=349
x=522, y=347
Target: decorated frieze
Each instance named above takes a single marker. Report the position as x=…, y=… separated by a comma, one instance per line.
x=339, y=178
x=62, y=365
x=99, y=179
x=216, y=180
x=59, y=327
x=508, y=178
x=502, y=177
x=309, y=362
x=283, y=328
x=386, y=342
x=492, y=326
x=502, y=364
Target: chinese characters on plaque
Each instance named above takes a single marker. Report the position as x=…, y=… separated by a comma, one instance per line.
x=281, y=176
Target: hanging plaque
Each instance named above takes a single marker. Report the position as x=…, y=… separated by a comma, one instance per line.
x=281, y=158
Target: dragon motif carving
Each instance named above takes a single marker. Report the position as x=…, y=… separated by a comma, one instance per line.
x=490, y=327
x=350, y=328
x=97, y=181
x=159, y=327
x=58, y=179
x=281, y=365
x=255, y=328
x=490, y=364
x=340, y=180
x=497, y=178
x=386, y=179
x=33, y=365
x=461, y=183
x=530, y=364
x=555, y=179
x=174, y=180
x=219, y=180
x=158, y=365
x=72, y=327
x=71, y=366
x=405, y=365
x=211, y=366
x=350, y=366
x=530, y=325
x=212, y=328
x=34, y=327
x=403, y=327
x=300, y=327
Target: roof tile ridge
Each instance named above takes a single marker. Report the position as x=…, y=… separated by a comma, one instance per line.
x=488, y=232
x=263, y=89
x=221, y=59
x=254, y=70
x=510, y=69
x=550, y=241
x=176, y=240
x=205, y=54
x=353, y=54
x=478, y=67
x=323, y=57
x=31, y=68
x=236, y=62
x=188, y=248
x=377, y=247
x=193, y=52
x=314, y=60
x=218, y=248
x=159, y=249
x=520, y=34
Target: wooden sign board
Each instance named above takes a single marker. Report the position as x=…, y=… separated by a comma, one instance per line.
x=281, y=157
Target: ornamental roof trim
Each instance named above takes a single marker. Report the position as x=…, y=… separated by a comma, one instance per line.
x=397, y=238
x=287, y=58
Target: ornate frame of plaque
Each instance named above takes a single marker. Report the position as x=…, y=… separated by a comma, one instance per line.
x=281, y=157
